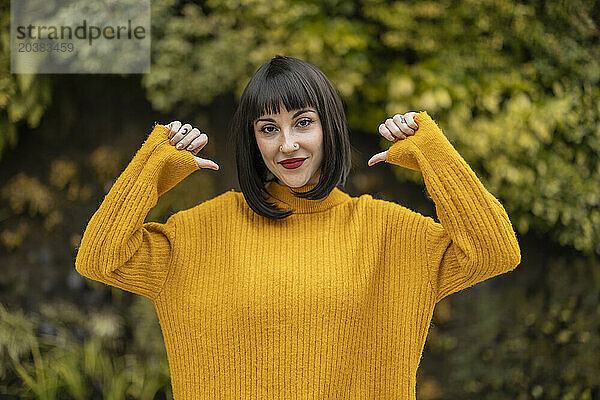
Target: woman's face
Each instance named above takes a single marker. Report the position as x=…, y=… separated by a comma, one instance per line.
x=287, y=135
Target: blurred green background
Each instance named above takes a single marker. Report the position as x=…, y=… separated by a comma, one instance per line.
x=513, y=84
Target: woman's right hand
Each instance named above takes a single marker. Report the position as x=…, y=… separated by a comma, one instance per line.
x=183, y=136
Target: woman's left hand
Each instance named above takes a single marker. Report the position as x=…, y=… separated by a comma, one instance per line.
x=399, y=127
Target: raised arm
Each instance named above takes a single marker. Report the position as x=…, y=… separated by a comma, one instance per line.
x=117, y=247
x=474, y=240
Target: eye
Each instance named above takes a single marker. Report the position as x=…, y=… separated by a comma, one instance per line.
x=264, y=131
x=308, y=120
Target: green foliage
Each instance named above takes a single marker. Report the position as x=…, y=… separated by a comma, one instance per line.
x=514, y=86
x=538, y=337
x=66, y=352
x=23, y=97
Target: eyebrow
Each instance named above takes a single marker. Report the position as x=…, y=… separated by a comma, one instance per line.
x=294, y=116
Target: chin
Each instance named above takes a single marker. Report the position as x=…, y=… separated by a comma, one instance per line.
x=294, y=183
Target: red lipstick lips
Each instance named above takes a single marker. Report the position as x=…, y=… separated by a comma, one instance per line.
x=292, y=163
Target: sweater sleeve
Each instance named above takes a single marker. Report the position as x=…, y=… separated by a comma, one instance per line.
x=117, y=247
x=474, y=240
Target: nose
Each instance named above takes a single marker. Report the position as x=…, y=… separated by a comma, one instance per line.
x=288, y=145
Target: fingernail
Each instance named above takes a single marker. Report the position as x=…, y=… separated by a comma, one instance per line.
x=179, y=146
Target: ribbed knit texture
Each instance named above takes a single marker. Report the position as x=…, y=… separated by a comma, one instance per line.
x=333, y=302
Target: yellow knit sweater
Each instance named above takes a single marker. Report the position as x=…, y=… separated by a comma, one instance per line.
x=333, y=302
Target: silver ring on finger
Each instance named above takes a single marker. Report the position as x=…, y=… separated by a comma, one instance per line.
x=402, y=119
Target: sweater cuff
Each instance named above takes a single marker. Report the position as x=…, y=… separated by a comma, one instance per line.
x=428, y=139
x=172, y=164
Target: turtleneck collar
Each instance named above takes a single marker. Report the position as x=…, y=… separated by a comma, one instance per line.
x=283, y=197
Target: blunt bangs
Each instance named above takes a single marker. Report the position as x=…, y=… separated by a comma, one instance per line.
x=296, y=84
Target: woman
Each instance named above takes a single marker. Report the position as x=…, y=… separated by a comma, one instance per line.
x=292, y=288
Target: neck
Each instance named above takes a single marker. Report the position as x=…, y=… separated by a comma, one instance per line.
x=284, y=198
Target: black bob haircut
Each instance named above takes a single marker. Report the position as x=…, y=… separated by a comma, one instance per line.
x=296, y=84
